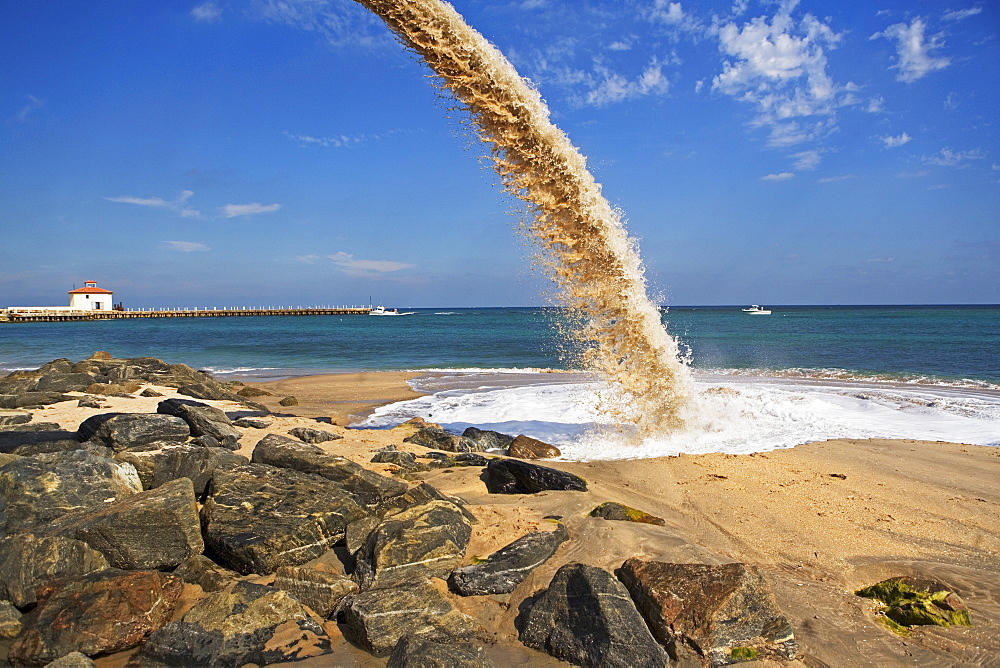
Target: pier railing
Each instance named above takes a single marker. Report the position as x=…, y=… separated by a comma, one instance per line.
x=66, y=315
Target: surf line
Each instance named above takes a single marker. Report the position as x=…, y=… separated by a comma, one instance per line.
x=585, y=248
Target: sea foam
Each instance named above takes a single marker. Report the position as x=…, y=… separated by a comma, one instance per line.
x=736, y=415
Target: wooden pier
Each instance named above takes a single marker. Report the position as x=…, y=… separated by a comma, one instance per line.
x=12, y=316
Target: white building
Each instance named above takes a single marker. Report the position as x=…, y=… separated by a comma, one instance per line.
x=90, y=298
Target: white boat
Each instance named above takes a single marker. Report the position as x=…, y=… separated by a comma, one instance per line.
x=381, y=310
x=756, y=310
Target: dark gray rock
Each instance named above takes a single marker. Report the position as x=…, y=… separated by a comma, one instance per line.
x=122, y=431
x=10, y=418
x=428, y=540
x=439, y=439
x=205, y=573
x=309, y=435
x=404, y=460
x=36, y=438
x=252, y=423
x=39, y=489
x=215, y=391
x=153, y=529
x=100, y=613
x=64, y=382
x=586, y=618
x=32, y=399
x=89, y=402
x=502, y=571
x=376, y=619
x=512, y=476
x=469, y=459
x=320, y=590
x=159, y=465
x=150, y=392
x=710, y=609
x=418, y=496
x=202, y=420
x=419, y=652
x=289, y=401
x=28, y=562
x=488, y=439
x=257, y=518
x=245, y=623
x=284, y=452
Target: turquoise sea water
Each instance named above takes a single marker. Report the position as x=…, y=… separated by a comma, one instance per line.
x=936, y=343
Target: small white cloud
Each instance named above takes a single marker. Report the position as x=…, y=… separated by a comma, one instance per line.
x=914, y=175
x=141, y=201
x=668, y=12
x=899, y=140
x=783, y=176
x=951, y=101
x=354, y=267
x=208, y=12
x=914, y=51
x=807, y=160
x=251, y=209
x=185, y=246
x=875, y=105
x=834, y=179
x=620, y=45
x=882, y=259
x=160, y=203
x=308, y=259
x=32, y=104
x=960, y=14
x=615, y=87
x=947, y=157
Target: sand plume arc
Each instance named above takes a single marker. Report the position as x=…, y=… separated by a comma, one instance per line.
x=585, y=248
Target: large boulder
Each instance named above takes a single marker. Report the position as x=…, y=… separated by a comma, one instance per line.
x=153, y=529
x=99, y=613
x=723, y=613
x=488, y=439
x=439, y=439
x=428, y=540
x=512, y=476
x=257, y=518
x=420, y=652
x=502, y=571
x=320, y=590
x=28, y=562
x=244, y=623
x=32, y=399
x=39, y=489
x=122, y=431
x=310, y=435
x=11, y=418
x=586, y=618
x=159, y=465
x=203, y=419
x=36, y=438
x=525, y=447
x=418, y=496
x=284, y=452
x=376, y=619
x=205, y=573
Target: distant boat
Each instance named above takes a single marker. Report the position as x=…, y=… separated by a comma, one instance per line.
x=381, y=310
x=756, y=310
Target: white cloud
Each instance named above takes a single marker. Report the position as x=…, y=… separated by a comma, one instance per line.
x=807, y=160
x=835, y=179
x=947, y=157
x=340, y=23
x=160, y=203
x=882, y=259
x=32, y=104
x=354, y=267
x=914, y=52
x=960, y=14
x=251, y=209
x=208, y=12
x=893, y=142
x=779, y=65
x=783, y=176
x=614, y=87
x=308, y=259
x=185, y=246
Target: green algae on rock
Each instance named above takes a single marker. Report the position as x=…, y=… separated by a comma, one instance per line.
x=616, y=511
x=908, y=601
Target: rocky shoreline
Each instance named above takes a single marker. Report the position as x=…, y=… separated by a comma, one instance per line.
x=204, y=530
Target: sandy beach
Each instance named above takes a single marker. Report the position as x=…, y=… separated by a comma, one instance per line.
x=821, y=520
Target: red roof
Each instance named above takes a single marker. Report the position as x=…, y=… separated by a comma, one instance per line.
x=90, y=291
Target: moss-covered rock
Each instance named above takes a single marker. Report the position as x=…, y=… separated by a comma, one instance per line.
x=908, y=602
x=616, y=511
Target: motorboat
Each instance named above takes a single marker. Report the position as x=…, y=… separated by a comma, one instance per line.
x=756, y=310
x=381, y=310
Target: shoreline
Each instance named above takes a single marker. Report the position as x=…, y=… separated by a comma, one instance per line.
x=819, y=520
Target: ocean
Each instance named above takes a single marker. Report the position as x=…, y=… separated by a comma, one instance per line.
x=801, y=374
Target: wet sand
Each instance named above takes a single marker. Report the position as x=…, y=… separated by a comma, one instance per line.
x=821, y=520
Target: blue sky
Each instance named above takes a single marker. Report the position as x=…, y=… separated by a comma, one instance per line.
x=292, y=153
